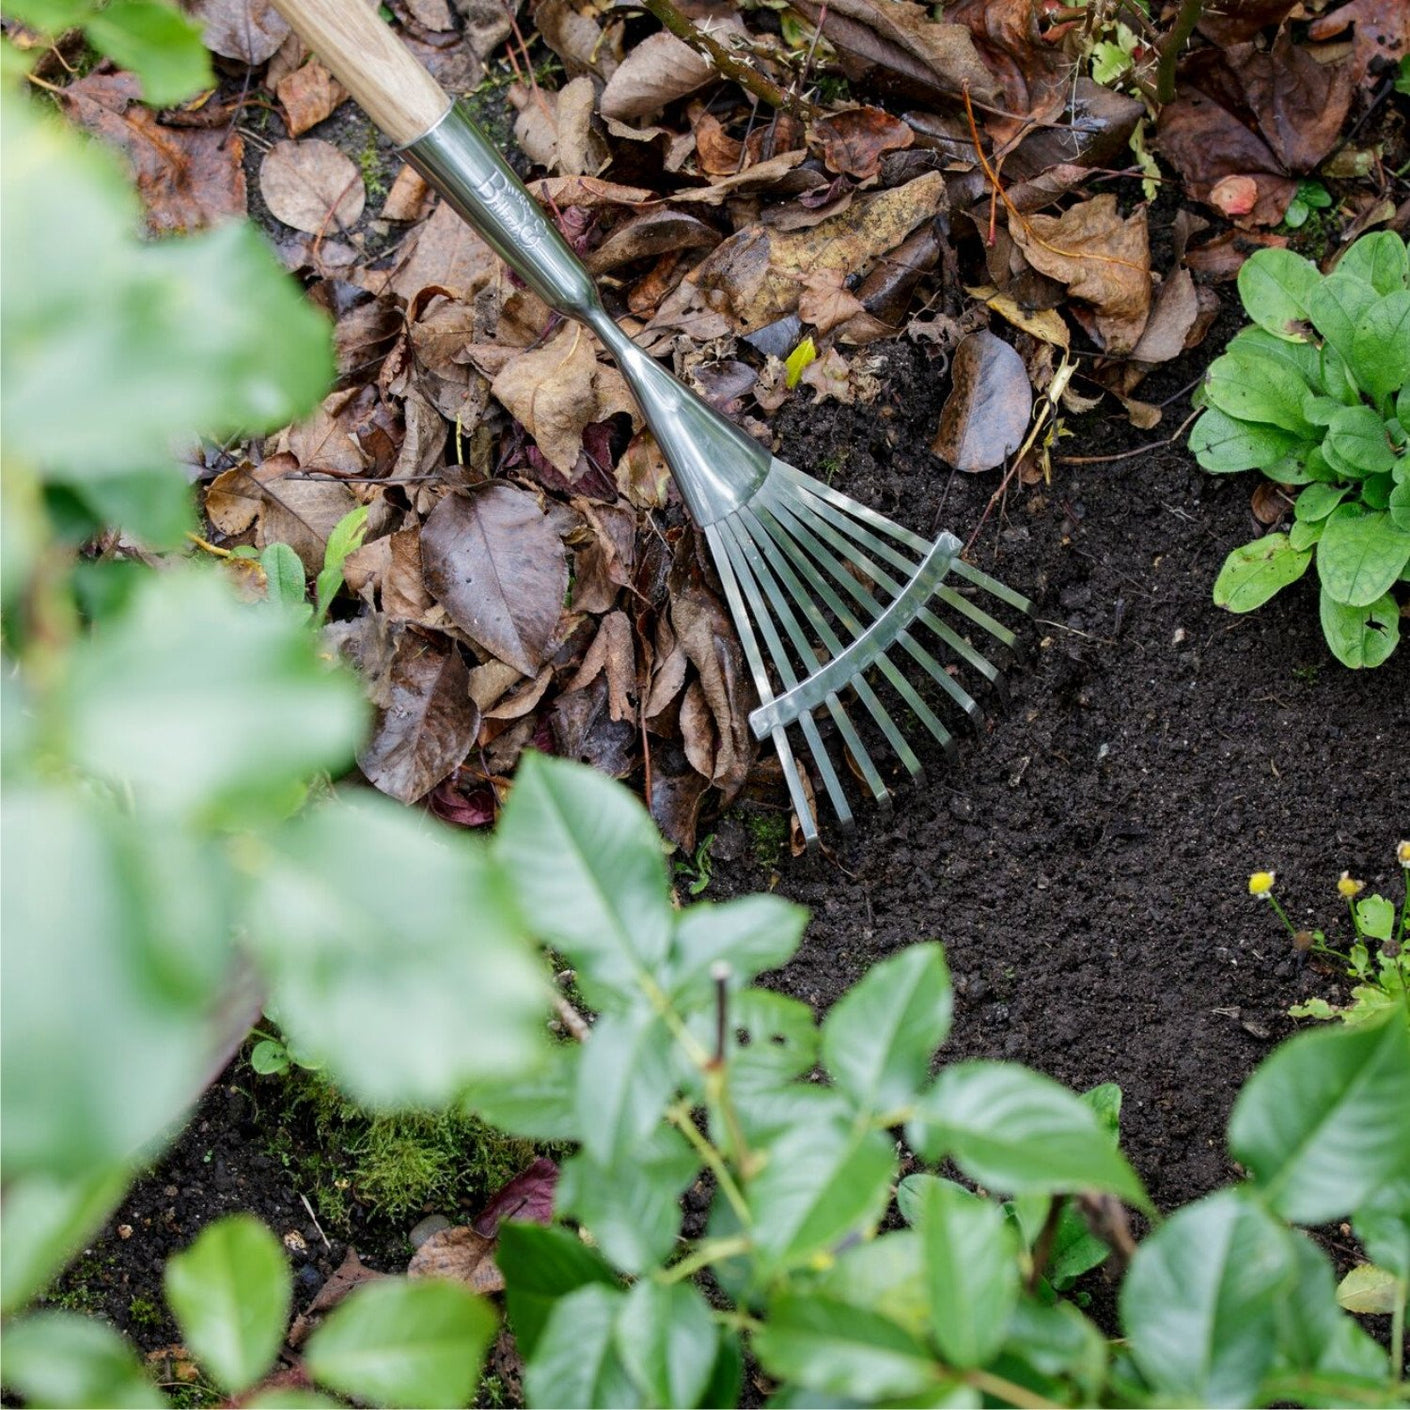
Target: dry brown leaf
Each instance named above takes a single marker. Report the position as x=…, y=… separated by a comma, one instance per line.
x=655, y=72
x=309, y=95
x=188, y=177
x=612, y=652
x=516, y=705
x=854, y=141
x=445, y=253
x=1101, y=258
x=248, y=31
x=709, y=641
x=756, y=276
x=324, y=441
x=302, y=513
x=650, y=234
x=762, y=176
x=642, y=474
x=716, y=152
x=1045, y=324
x=1299, y=98
x=581, y=149
x=440, y=338
x=826, y=301
x=493, y=560
x=577, y=39
x=233, y=498
x=588, y=192
x=404, y=592
x=555, y=391
x=989, y=406
x=1172, y=316
x=407, y=198
x=432, y=14
x=311, y=186
x=461, y=1255
x=350, y=1273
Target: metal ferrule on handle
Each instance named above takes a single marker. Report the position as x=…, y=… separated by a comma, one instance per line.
x=717, y=467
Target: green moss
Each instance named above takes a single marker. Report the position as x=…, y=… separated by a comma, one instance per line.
x=768, y=832
x=143, y=1312
x=371, y=162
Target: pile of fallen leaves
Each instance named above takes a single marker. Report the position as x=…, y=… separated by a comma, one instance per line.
x=529, y=577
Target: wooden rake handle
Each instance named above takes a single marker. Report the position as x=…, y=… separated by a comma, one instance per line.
x=371, y=63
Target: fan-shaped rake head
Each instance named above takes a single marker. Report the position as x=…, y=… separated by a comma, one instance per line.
x=834, y=592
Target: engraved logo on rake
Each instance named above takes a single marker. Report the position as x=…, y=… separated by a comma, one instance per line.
x=513, y=207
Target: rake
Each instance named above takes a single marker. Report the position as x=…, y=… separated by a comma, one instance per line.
x=824, y=592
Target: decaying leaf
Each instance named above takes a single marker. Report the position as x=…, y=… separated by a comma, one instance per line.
x=721, y=731
x=408, y=196
x=493, y=560
x=855, y=140
x=989, y=406
x=248, y=31
x=308, y=95
x=527, y=1198
x=461, y=1255
x=350, y=1273
x=311, y=186
x=302, y=513
x=657, y=71
x=1172, y=317
x=555, y=391
x=1101, y=258
x=427, y=722
x=444, y=253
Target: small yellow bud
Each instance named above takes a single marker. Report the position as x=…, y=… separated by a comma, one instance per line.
x=1402, y=855
x=1261, y=884
x=1348, y=887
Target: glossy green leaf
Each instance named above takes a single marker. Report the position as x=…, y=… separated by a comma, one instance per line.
x=878, y=1039
x=1251, y=386
x=166, y=339
x=1336, y=306
x=1398, y=506
x=540, y=1266
x=352, y=949
x=631, y=1207
x=1380, y=259
x=1370, y=1291
x=750, y=935
x=1274, y=285
x=1305, y=535
x=1360, y=636
x=159, y=44
x=1380, y=346
x=1325, y=1121
x=1223, y=443
x=59, y=1359
x=782, y=1036
x=1014, y=1130
x=403, y=1342
x=1358, y=436
x=1057, y=1341
x=1201, y=1300
x=625, y=1079
x=726, y=1375
x=576, y=1361
x=1360, y=555
x=1317, y=501
x=231, y=1291
x=971, y=1271
x=588, y=871
x=1257, y=571
x=886, y=1275
x=666, y=1338
x=840, y=1349
x=818, y=1186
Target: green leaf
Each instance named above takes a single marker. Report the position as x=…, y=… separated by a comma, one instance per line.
x=782, y=1039
x=1254, y=387
x=1375, y=918
x=159, y=44
x=878, y=1039
x=201, y=705
x=1325, y=1121
x=1256, y=571
x=403, y=1343
x=1056, y=1340
x=575, y=1361
x=632, y=1206
x=230, y=1291
x=751, y=934
x=1336, y=306
x=284, y=577
x=667, y=1340
x=540, y=1266
x=971, y=1270
x=1360, y=636
x=1360, y=555
x=1317, y=501
x=818, y=1186
x=626, y=1077
x=1305, y=535
x=1358, y=436
x=726, y=1375
x=352, y=949
x=1274, y=285
x=50, y=17
x=885, y=1275
x=1398, y=506
x=840, y=1349
x=269, y=1057
x=539, y=1102
x=1370, y=1291
x=1380, y=346
x=588, y=872
x=1382, y=1223
x=1224, y=443
x=345, y=539
x=1014, y=1130
x=59, y=1359
x=166, y=338
x=1201, y=1300
x=1380, y=259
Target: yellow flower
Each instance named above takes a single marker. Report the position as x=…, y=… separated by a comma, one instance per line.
x=1261, y=884
x=1402, y=855
x=1347, y=887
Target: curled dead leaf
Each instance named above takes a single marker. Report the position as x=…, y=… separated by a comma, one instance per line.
x=655, y=72
x=308, y=95
x=248, y=31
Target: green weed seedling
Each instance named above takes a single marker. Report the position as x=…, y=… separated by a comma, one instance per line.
x=1317, y=394
x=1376, y=959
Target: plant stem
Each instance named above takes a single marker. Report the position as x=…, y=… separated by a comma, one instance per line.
x=706, y=1253
x=1186, y=17
x=679, y=1116
x=744, y=74
x=1281, y=913
x=1397, y=1330
x=1007, y=1391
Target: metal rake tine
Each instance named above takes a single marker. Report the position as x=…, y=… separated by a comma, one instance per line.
x=794, y=536
x=739, y=549
x=763, y=686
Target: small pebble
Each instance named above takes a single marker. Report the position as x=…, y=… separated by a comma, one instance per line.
x=431, y=1224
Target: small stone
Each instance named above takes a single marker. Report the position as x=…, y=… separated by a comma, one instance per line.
x=294, y=1242
x=1180, y=637
x=431, y=1224
x=124, y=1231
x=1102, y=751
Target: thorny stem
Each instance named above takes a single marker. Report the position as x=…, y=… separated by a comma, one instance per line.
x=745, y=74
x=679, y=1116
x=1185, y=20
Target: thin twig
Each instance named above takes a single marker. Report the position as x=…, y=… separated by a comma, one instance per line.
x=1127, y=454
x=1186, y=18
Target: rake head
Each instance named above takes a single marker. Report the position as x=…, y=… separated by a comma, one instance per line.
x=835, y=591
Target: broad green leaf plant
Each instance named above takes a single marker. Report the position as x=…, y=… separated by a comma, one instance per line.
x=1316, y=395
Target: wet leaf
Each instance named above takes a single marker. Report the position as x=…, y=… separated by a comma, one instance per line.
x=988, y=409
x=312, y=186
x=1172, y=315
x=301, y=513
x=854, y=141
x=1298, y=98
x=248, y=31
x=827, y=301
x=496, y=564
x=427, y=722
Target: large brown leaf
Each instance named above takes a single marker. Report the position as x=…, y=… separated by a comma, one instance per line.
x=312, y=186
x=493, y=560
x=854, y=141
x=248, y=31
x=722, y=730
x=989, y=405
x=446, y=253
x=657, y=71
x=428, y=723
